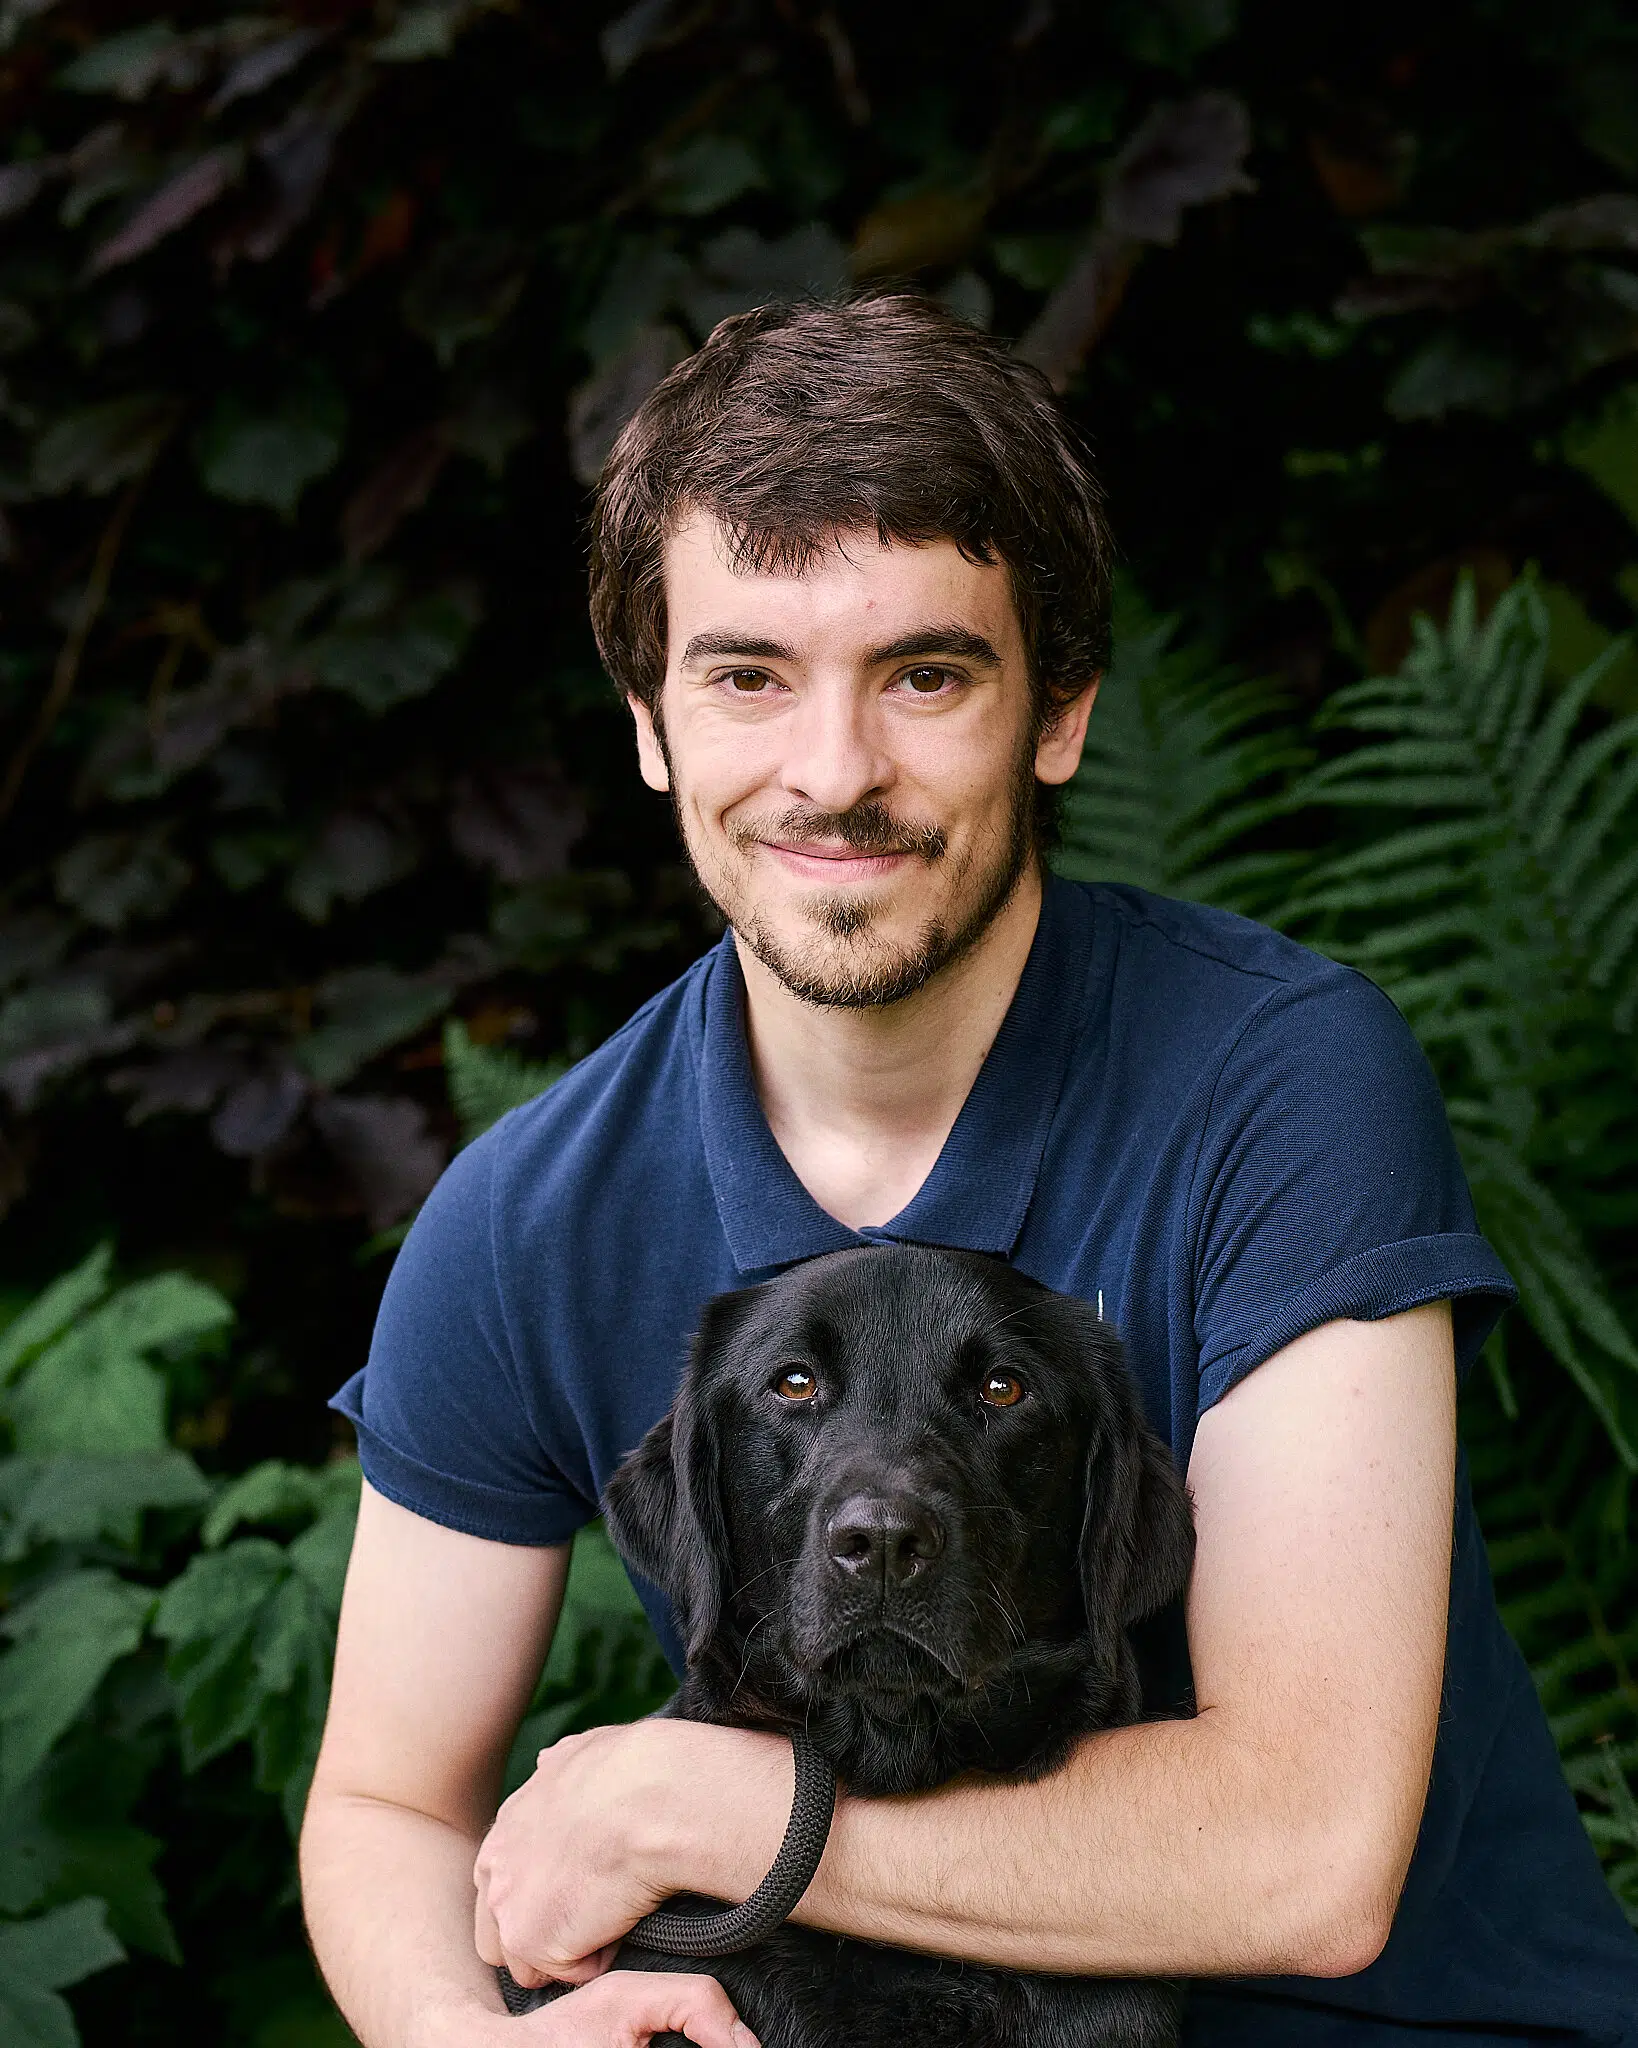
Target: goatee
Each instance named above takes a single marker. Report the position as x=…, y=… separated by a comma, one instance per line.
x=872, y=973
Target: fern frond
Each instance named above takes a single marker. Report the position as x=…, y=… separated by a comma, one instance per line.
x=485, y=1081
x=1546, y=819
x=1184, y=762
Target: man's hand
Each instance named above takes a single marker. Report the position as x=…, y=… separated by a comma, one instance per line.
x=625, y=2008
x=582, y=1851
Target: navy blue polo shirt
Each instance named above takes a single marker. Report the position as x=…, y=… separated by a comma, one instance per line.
x=1231, y=1141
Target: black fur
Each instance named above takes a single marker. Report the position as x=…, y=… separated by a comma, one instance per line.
x=929, y=1583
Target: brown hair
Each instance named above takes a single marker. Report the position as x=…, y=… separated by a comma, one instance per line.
x=794, y=423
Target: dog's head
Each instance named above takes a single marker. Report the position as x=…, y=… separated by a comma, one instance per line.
x=909, y=1496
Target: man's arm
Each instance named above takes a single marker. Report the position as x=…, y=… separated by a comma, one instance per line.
x=1271, y=1834
x=442, y=1638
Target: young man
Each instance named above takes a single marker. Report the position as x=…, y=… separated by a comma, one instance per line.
x=850, y=572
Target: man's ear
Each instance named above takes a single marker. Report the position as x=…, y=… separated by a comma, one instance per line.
x=1137, y=1539
x=1058, y=750
x=664, y=1504
x=652, y=763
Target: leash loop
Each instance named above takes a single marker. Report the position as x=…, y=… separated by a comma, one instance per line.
x=728, y=1931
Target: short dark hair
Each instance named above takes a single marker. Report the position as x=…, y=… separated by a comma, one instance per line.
x=797, y=422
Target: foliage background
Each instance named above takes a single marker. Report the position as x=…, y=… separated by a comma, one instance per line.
x=321, y=841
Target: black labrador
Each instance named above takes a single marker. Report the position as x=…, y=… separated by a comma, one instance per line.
x=906, y=1499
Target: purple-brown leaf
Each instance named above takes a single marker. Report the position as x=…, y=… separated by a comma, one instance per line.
x=171, y=207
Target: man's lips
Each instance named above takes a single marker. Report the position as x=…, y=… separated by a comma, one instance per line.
x=834, y=863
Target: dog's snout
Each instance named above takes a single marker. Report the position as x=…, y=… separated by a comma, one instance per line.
x=883, y=1536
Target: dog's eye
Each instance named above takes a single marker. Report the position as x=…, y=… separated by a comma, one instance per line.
x=796, y=1384
x=1001, y=1389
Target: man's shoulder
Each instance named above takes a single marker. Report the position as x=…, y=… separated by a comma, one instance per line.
x=1195, y=977
x=1181, y=941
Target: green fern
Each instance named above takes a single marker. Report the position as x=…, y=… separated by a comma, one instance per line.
x=1495, y=901
x=485, y=1081
x=1184, y=763
x=1556, y=1518
x=1511, y=892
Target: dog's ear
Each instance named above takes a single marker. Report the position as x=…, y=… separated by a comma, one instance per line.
x=664, y=1506
x=1137, y=1541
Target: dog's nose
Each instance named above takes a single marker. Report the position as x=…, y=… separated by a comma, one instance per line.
x=877, y=1536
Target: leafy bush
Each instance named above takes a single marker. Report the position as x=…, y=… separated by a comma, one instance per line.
x=169, y=1662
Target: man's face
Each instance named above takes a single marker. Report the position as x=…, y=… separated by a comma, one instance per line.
x=851, y=755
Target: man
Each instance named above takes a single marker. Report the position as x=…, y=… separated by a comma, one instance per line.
x=850, y=572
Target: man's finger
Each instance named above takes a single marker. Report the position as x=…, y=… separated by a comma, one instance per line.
x=485, y=1934
x=630, y=2005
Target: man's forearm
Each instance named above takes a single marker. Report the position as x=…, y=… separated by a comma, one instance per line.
x=388, y=1896
x=1170, y=1848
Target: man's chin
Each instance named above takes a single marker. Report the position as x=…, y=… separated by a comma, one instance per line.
x=859, y=970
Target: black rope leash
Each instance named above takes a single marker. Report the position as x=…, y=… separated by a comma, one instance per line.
x=738, y=1927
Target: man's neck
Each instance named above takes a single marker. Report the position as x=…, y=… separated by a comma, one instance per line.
x=861, y=1101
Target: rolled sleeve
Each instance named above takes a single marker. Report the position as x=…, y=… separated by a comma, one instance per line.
x=444, y=1427
x=1329, y=1186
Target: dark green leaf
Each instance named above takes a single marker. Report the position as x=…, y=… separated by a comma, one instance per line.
x=64, y=1641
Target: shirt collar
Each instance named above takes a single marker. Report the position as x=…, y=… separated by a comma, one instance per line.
x=980, y=1188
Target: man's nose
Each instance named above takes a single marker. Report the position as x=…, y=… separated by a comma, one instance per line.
x=886, y=1537
x=834, y=758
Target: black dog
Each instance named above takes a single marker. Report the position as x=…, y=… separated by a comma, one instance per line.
x=906, y=1499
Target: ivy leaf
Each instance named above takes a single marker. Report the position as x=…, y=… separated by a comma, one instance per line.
x=130, y=65
x=275, y=1492
x=116, y=878
x=251, y=1638
x=54, y=1848
x=100, y=447
x=355, y=853
x=79, y=1499
x=427, y=29
x=366, y=1011
x=321, y=1553
x=705, y=174
x=38, y=1958
x=465, y=289
x=52, y=1029
x=1452, y=374
x=520, y=822
x=385, y=1143
x=50, y=1313
x=252, y=456
x=381, y=663
x=600, y=407
x=739, y=269
x=198, y=185
x=264, y=64
x=258, y=1111
x=92, y=1390
x=209, y=1617
x=65, y=1641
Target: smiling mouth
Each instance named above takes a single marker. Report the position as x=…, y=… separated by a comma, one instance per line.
x=841, y=863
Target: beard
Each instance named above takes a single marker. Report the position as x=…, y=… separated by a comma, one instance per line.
x=847, y=963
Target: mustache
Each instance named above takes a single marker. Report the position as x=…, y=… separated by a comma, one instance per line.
x=868, y=827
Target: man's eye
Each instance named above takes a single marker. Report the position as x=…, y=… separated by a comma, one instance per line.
x=1001, y=1389
x=925, y=682
x=796, y=1383
x=749, y=682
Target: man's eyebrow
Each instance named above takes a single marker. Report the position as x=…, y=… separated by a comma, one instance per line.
x=955, y=643
x=705, y=645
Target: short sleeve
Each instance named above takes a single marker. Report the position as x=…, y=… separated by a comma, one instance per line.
x=1328, y=1185
x=443, y=1424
